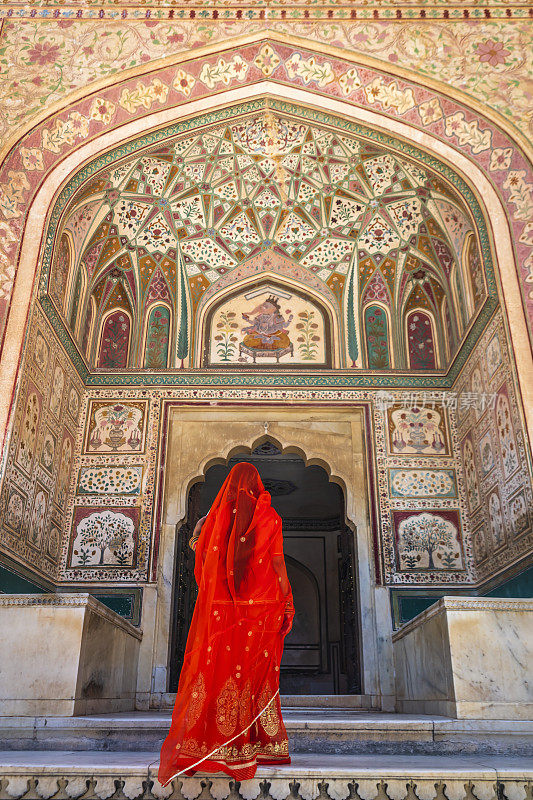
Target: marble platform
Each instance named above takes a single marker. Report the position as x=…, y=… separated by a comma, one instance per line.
x=310, y=730
x=64, y=654
x=467, y=657
x=133, y=776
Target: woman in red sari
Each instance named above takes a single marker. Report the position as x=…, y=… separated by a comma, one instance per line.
x=227, y=716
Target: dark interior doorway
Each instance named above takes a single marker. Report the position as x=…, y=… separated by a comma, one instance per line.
x=322, y=651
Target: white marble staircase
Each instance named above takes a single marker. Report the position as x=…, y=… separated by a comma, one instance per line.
x=317, y=730
x=345, y=753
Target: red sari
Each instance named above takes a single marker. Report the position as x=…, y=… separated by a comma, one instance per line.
x=227, y=716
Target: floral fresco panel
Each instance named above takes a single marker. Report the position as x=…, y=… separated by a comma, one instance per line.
x=420, y=482
x=29, y=428
x=116, y=427
x=109, y=480
x=37, y=519
x=428, y=540
x=104, y=537
x=417, y=429
x=15, y=508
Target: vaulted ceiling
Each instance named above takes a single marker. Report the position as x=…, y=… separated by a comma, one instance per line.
x=204, y=202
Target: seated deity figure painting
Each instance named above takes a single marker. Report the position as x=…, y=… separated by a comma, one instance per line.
x=268, y=332
x=268, y=325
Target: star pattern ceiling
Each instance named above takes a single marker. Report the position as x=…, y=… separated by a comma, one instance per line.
x=224, y=195
x=175, y=219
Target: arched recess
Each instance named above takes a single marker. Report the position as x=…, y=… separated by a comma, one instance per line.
x=88, y=327
x=335, y=440
x=288, y=289
x=156, y=341
x=421, y=339
x=377, y=334
x=472, y=271
x=61, y=271
x=470, y=171
x=77, y=301
x=114, y=341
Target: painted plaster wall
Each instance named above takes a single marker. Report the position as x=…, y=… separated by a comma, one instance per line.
x=44, y=60
x=40, y=459
x=96, y=521
x=495, y=457
x=471, y=132
x=489, y=61
x=411, y=478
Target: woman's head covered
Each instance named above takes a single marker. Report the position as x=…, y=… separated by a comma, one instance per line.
x=243, y=476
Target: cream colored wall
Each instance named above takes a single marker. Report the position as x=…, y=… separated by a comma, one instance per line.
x=331, y=438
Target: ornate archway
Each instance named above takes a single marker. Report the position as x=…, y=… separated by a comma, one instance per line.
x=102, y=119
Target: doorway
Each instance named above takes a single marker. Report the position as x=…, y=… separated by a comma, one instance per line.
x=321, y=653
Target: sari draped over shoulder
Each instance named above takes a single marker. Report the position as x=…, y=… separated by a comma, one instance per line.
x=227, y=714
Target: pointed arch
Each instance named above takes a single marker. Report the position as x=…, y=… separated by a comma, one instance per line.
x=157, y=335
x=76, y=300
x=421, y=340
x=377, y=334
x=302, y=336
x=88, y=329
x=115, y=339
x=465, y=164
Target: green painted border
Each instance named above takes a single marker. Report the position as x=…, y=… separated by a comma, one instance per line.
x=327, y=379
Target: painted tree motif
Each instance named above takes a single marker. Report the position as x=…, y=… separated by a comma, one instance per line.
x=353, y=349
x=104, y=537
x=115, y=341
x=427, y=533
x=307, y=339
x=420, y=339
x=377, y=338
x=182, y=349
x=225, y=337
x=75, y=302
x=157, y=338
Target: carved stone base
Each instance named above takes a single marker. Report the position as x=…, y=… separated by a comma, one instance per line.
x=122, y=776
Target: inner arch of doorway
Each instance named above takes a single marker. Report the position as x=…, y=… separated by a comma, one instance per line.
x=505, y=266
x=284, y=448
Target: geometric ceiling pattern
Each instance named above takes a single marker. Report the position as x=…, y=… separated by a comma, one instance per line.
x=339, y=206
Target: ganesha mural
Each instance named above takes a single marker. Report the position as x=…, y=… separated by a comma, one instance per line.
x=268, y=326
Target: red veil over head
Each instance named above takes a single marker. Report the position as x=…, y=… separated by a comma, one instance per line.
x=227, y=714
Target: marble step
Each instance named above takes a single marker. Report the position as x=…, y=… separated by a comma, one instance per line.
x=122, y=776
x=310, y=730
x=165, y=701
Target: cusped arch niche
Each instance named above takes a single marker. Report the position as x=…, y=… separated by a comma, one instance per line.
x=267, y=324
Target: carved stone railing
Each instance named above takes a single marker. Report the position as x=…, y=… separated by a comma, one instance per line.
x=109, y=787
